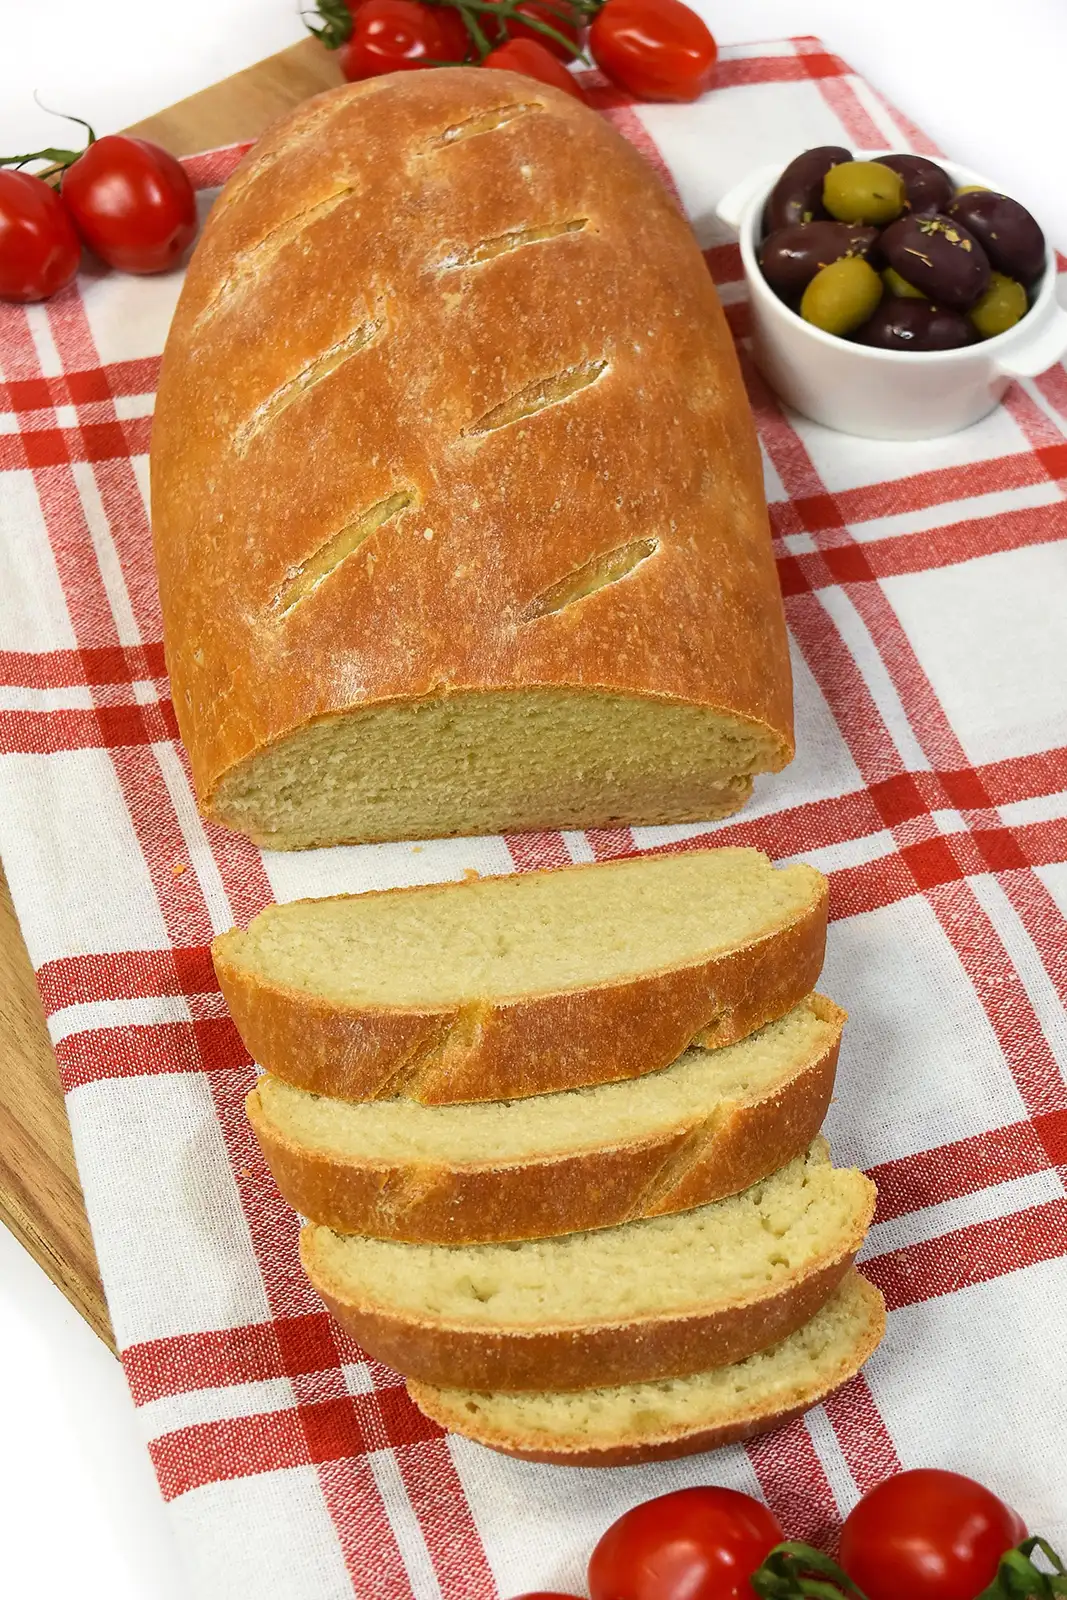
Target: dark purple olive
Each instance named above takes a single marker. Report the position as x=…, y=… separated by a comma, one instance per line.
x=1006, y=231
x=937, y=255
x=797, y=196
x=790, y=257
x=928, y=186
x=915, y=325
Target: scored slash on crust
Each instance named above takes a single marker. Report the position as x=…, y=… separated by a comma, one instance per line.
x=538, y=396
x=595, y=574
x=360, y=338
x=489, y=249
x=337, y=549
x=258, y=161
x=247, y=264
x=481, y=122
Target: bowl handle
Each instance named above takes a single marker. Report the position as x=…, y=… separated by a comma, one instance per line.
x=731, y=208
x=1034, y=356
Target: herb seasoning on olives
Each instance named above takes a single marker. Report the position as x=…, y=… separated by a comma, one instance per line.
x=891, y=254
x=790, y=257
x=927, y=187
x=797, y=196
x=864, y=191
x=938, y=256
x=1006, y=231
x=842, y=296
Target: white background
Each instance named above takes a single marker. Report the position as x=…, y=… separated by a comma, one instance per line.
x=79, y=1511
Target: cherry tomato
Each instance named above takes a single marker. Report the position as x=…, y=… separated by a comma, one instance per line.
x=929, y=1535
x=545, y=1594
x=132, y=203
x=534, y=61
x=39, y=249
x=656, y=49
x=398, y=35
x=546, y=11
x=695, y=1544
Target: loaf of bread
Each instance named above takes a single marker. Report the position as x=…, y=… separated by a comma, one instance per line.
x=619, y=1427
x=456, y=495
x=658, y=1298
x=706, y=1127
x=504, y=987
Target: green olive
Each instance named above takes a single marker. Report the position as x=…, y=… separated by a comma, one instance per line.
x=1001, y=307
x=864, y=191
x=899, y=286
x=973, y=188
x=842, y=296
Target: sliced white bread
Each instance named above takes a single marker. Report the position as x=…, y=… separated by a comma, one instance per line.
x=650, y=1299
x=498, y=988
x=625, y=1425
x=708, y=1126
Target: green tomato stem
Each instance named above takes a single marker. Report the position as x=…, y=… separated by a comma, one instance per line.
x=1019, y=1578
x=795, y=1571
x=58, y=160
x=336, y=21
x=55, y=158
x=475, y=31
x=504, y=10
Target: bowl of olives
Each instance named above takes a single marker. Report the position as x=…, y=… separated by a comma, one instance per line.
x=893, y=296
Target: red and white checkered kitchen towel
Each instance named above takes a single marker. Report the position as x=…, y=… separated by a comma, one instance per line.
x=926, y=590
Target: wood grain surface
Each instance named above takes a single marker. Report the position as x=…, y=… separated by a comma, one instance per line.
x=40, y=1195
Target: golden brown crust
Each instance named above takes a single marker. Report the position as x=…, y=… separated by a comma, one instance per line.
x=452, y=1355
x=344, y=236
x=672, y=1170
x=441, y=1407
x=535, y=1044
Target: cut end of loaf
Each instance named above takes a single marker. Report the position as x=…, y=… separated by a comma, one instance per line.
x=631, y=1423
x=483, y=763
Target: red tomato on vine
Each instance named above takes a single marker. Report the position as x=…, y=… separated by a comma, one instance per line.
x=132, y=203
x=927, y=1535
x=655, y=49
x=695, y=1544
x=399, y=35
x=39, y=249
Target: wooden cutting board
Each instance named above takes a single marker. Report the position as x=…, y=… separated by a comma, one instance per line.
x=40, y=1196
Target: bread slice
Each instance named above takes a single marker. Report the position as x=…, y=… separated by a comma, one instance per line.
x=706, y=1127
x=503, y=987
x=619, y=1427
x=651, y=1299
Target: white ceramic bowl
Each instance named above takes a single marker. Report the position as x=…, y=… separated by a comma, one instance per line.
x=886, y=394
